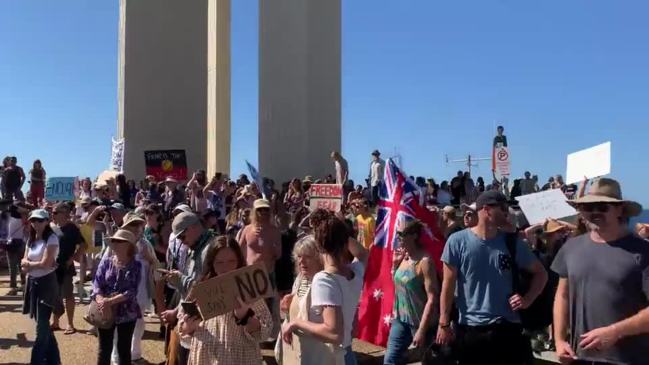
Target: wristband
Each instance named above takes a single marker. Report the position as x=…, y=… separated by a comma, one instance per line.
x=244, y=321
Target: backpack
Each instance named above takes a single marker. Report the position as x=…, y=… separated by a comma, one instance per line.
x=539, y=314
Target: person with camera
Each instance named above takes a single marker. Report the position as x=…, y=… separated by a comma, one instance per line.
x=478, y=267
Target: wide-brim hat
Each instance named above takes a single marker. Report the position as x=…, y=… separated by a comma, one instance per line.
x=308, y=179
x=131, y=218
x=605, y=190
x=170, y=179
x=182, y=208
x=376, y=153
x=552, y=226
x=123, y=235
x=261, y=203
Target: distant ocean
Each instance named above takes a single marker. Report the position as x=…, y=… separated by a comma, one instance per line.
x=642, y=218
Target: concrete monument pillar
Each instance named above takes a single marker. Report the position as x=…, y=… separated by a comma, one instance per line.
x=299, y=87
x=174, y=81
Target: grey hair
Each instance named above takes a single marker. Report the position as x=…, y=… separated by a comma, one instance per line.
x=306, y=246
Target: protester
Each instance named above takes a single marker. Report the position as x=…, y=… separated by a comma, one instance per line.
x=477, y=266
x=603, y=291
x=71, y=246
x=527, y=184
x=457, y=188
x=41, y=297
x=335, y=291
x=13, y=179
x=145, y=293
x=449, y=223
x=261, y=241
x=365, y=223
x=303, y=349
x=172, y=195
x=416, y=296
x=377, y=168
x=187, y=229
x=444, y=196
x=115, y=289
x=37, y=179
x=294, y=199
x=341, y=166
x=15, y=241
x=469, y=189
x=233, y=337
x=469, y=215
x=123, y=191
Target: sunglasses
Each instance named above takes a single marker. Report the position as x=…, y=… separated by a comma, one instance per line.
x=595, y=207
x=37, y=220
x=260, y=210
x=502, y=207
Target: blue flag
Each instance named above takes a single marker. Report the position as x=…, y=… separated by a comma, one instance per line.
x=254, y=174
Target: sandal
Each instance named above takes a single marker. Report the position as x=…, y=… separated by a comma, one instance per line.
x=70, y=331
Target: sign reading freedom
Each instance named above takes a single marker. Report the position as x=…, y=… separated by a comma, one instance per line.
x=166, y=163
x=219, y=295
x=326, y=196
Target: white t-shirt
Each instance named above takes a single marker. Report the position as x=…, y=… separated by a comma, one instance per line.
x=15, y=229
x=335, y=290
x=36, y=252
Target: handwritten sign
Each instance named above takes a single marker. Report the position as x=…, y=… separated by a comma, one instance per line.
x=592, y=162
x=219, y=295
x=60, y=188
x=166, y=163
x=546, y=204
x=117, y=155
x=326, y=196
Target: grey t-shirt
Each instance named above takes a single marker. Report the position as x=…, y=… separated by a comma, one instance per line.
x=608, y=282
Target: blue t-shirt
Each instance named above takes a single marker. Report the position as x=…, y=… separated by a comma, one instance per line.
x=484, y=280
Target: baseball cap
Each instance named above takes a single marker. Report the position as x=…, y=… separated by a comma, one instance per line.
x=118, y=206
x=39, y=214
x=466, y=207
x=261, y=203
x=490, y=198
x=449, y=209
x=183, y=221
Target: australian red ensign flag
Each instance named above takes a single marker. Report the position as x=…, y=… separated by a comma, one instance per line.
x=398, y=202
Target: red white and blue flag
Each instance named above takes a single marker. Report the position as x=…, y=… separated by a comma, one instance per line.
x=398, y=203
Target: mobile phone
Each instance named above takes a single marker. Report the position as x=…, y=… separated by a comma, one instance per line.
x=191, y=309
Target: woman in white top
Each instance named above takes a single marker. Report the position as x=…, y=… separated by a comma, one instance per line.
x=335, y=291
x=42, y=292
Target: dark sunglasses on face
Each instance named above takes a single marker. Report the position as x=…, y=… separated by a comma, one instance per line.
x=502, y=207
x=37, y=220
x=595, y=207
x=263, y=210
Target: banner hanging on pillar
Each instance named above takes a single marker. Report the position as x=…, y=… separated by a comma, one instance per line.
x=117, y=155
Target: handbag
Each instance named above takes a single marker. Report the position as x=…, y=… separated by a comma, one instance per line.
x=100, y=319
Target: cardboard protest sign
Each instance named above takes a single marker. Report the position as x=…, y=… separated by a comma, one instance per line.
x=219, y=295
x=326, y=196
x=166, y=163
x=501, y=161
x=546, y=204
x=591, y=163
x=60, y=188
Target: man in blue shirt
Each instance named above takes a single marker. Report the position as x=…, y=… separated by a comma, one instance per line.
x=478, y=272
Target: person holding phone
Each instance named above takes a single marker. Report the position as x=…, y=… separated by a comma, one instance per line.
x=233, y=337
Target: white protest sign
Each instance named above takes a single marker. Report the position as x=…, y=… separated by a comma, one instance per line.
x=592, y=162
x=546, y=204
x=117, y=155
x=326, y=196
x=219, y=294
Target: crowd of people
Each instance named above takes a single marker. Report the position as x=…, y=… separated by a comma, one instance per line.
x=145, y=246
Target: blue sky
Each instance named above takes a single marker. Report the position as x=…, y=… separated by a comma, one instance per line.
x=425, y=78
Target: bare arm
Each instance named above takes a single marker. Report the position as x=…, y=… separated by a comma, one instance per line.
x=448, y=292
x=358, y=250
x=633, y=326
x=432, y=288
x=539, y=279
x=530, y=232
x=46, y=262
x=330, y=330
